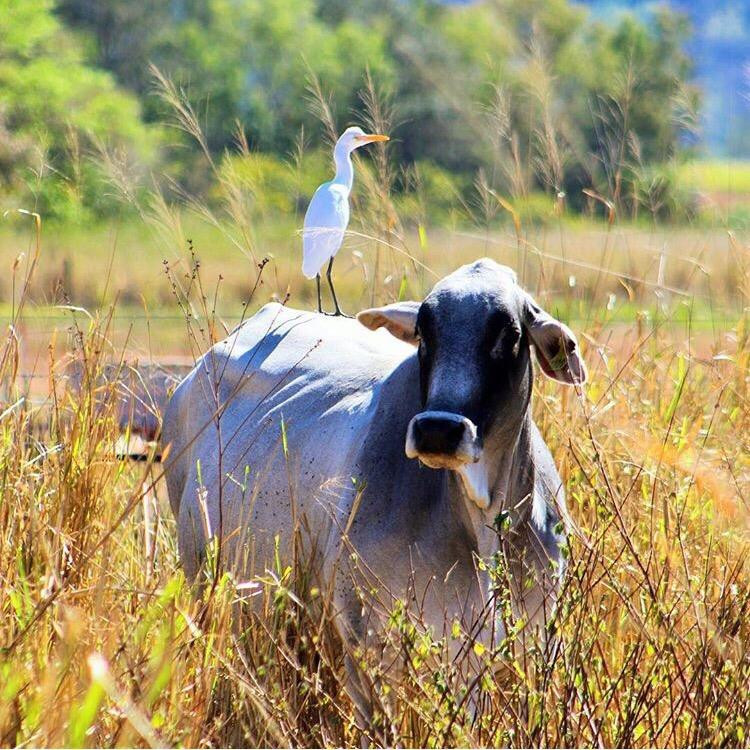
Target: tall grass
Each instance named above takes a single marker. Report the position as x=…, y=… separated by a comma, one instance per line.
x=103, y=643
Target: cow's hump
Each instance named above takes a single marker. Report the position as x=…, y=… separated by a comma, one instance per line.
x=280, y=343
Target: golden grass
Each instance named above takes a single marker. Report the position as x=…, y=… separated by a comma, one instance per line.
x=91, y=266
x=103, y=644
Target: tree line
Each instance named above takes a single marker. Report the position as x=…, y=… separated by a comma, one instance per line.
x=526, y=97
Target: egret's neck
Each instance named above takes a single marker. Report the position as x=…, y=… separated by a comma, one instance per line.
x=344, y=170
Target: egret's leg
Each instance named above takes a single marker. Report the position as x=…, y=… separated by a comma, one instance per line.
x=320, y=301
x=337, y=309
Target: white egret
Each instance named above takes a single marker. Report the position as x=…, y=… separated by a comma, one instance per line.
x=328, y=213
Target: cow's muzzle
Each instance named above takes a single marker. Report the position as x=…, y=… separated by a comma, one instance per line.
x=443, y=440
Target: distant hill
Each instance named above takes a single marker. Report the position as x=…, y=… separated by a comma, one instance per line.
x=721, y=50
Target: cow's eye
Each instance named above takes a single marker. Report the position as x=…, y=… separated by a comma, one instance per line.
x=507, y=342
x=420, y=340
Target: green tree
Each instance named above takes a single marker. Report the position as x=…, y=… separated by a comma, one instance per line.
x=56, y=105
x=238, y=60
x=534, y=93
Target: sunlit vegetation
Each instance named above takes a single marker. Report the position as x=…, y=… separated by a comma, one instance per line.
x=102, y=641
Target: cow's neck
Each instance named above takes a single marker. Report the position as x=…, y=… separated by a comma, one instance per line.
x=507, y=470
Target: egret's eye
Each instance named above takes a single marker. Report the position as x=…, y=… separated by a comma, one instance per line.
x=508, y=342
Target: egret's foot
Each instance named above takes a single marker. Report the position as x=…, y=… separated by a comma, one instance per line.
x=337, y=311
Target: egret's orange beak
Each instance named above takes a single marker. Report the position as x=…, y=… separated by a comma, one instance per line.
x=371, y=138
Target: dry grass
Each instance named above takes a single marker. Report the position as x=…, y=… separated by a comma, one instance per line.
x=701, y=261
x=102, y=643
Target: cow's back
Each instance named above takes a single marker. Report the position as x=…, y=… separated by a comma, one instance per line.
x=265, y=430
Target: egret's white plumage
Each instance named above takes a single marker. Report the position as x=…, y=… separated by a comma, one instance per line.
x=327, y=215
x=325, y=223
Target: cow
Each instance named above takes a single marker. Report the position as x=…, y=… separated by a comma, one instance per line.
x=403, y=444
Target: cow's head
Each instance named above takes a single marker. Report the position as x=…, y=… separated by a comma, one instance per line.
x=474, y=331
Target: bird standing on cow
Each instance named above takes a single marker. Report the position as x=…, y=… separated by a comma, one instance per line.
x=327, y=215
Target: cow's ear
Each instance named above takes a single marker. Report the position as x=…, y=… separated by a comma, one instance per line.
x=400, y=319
x=556, y=346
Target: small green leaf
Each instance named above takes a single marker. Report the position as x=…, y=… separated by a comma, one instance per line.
x=83, y=715
x=284, y=444
x=402, y=289
x=682, y=376
x=502, y=521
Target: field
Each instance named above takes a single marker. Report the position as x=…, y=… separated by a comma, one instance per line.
x=156, y=161
x=102, y=642
x=717, y=177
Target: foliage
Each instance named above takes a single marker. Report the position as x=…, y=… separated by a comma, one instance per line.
x=536, y=94
x=246, y=61
x=56, y=106
x=276, y=186
x=721, y=35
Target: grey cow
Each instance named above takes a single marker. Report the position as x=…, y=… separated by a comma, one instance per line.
x=313, y=421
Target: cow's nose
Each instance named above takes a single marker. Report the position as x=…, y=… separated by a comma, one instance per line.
x=442, y=439
x=437, y=434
